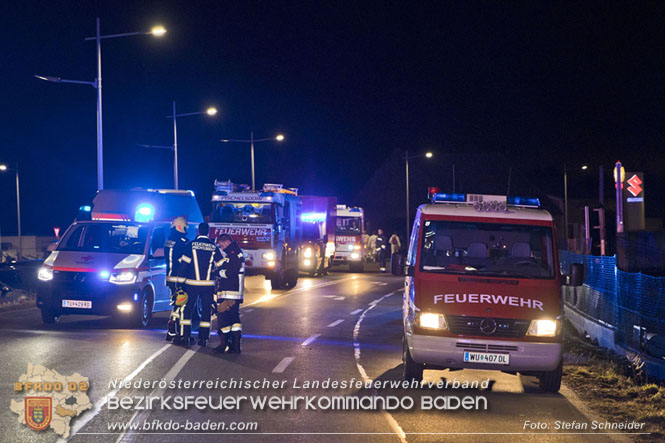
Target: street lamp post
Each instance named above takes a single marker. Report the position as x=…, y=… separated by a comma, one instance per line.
x=157, y=31
x=251, y=141
x=406, y=164
x=3, y=168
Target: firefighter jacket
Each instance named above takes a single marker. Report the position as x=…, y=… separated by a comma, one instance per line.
x=199, y=261
x=174, y=247
x=231, y=283
x=380, y=243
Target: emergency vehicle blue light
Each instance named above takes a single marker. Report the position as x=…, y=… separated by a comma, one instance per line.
x=313, y=217
x=104, y=274
x=136, y=296
x=445, y=197
x=85, y=208
x=523, y=201
x=144, y=213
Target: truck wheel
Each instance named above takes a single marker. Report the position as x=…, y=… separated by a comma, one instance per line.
x=410, y=370
x=551, y=381
x=356, y=266
x=292, y=278
x=49, y=317
x=143, y=310
x=277, y=280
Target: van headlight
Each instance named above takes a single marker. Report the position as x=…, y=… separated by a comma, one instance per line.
x=123, y=277
x=307, y=253
x=544, y=328
x=430, y=320
x=45, y=273
x=270, y=255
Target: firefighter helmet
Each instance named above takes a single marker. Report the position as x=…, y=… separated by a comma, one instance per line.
x=181, y=297
x=180, y=223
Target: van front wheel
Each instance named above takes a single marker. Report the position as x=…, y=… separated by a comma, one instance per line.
x=411, y=370
x=551, y=381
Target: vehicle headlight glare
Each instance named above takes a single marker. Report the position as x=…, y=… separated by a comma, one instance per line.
x=543, y=328
x=45, y=274
x=308, y=252
x=270, y=255
x=350, y=247
x=430, y=320
x=123, y=277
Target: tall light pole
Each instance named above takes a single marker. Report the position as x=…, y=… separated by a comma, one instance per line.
x=4, y=168
x=406, y=164
x=251, y=141
x=157, y=31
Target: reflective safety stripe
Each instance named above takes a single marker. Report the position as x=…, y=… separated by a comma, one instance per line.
x=204, y=324
x=174, y=279
x=170, y=262
x=189, y=281
x=175, y=315
x=222, y=273
x=231, y=295
x=236, y=327
x=186, y=259
x=226, y=329
x=196, y=264
x=212, y=258
x=219, y=263
x=186, y=322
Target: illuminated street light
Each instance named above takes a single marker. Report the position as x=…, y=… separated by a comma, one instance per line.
x=428, y=154
x=156, y=31
x=251, y=141
x=19, y=254
x=211, y=111
x=584, y=167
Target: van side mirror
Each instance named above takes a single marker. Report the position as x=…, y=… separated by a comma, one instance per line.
x=576, y=275
x=158, y=253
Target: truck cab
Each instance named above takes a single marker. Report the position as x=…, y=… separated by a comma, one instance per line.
x=267, y=226
x=483, y=288
x=317, y=249
x=349, y=237
x=110, y=261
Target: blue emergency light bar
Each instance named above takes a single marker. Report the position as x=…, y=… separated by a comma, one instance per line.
x=144, y=213
x=523, y=201
x=85, y=208
x=313, y=217
x=440, y=197
x=530, y=202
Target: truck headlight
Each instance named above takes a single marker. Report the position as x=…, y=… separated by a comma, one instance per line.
x=356, y=247
x=544, y=328
x=308, y=252
x=350, y=247
x=429, y=320
x=45, y=273
x=123, y=277
x=355, y=256
x=270, y=255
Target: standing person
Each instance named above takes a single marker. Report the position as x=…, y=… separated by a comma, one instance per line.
x=395, y=244
x=230, y=291
x=200, y=259
x=174, y=247
x=372, y=247
x=381, y=247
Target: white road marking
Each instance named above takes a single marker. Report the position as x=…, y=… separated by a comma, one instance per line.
x=78, y=424
x=157, y=392
x=339, y=298
x=248, y=310
x=310, y=340
x=335, y=323
x=282, y=365
x=293, y=291
x=357, y=311
x=356, y=350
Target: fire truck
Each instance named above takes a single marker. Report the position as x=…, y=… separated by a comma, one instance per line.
x=266, y=224
x=483, y=288
x=349, y=237
x=318, y=234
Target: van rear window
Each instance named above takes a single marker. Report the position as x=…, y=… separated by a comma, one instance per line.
x=491, y=249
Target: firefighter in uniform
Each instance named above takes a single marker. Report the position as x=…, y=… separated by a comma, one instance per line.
x=381, y=249
x=197, y=266
x=230, y=290
x=174, y=247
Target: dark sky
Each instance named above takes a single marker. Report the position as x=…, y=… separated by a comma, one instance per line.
x=527, y=85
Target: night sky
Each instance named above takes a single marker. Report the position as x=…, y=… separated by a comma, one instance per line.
x=487, y=85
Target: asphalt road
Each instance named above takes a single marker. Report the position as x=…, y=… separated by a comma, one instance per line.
x=343, y=326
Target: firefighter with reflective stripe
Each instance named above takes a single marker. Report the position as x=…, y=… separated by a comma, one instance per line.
x=230, y=290
x=381, y=249
x=174, y=247
x=197, y=267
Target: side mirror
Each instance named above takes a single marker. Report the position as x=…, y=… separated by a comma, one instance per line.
x=52, y=247
x=576, y=275
x=397, y=264
x=158, y=253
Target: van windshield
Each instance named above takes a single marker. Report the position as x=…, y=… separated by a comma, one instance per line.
x=348, y=225
x=243, y=212
x=121, y=238
x=496, y=249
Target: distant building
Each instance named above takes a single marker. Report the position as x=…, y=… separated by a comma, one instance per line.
x=34, y=247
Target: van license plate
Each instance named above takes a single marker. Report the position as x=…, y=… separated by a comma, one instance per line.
x=485, y=357
x=82, y=304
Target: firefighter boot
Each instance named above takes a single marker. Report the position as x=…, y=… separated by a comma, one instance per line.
x=224, y=341
x=235, y=342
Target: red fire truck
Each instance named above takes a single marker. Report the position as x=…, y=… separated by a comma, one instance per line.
x=266, y=224
x=318, y=234
x=483, y=288
x=349, y=237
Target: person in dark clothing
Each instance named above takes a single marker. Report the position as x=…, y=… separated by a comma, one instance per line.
x=197, y=266
x=174, y=247
x=381, y=249
x=230, y=291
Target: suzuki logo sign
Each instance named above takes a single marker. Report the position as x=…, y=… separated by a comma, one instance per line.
x=635, y=187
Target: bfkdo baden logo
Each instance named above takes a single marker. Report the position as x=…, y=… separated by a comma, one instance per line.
x=50, y=400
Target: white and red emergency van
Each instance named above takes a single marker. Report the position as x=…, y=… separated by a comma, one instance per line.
x=483, y=288
x=349, y=237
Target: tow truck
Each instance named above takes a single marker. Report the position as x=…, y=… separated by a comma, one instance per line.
x=483, y=288
x=266, y=224
x=349, y=237
x=318, y=230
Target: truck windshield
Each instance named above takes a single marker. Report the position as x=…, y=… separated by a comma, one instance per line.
x=348, y=225
x=121, y=238
x=243, y=212
x=521, y=251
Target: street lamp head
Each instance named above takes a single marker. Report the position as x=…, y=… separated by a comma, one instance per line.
x=3, y=167
x=280, y=137
x=584, y=167
x=429, y=155
x=158, y=31
x=211, y=110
